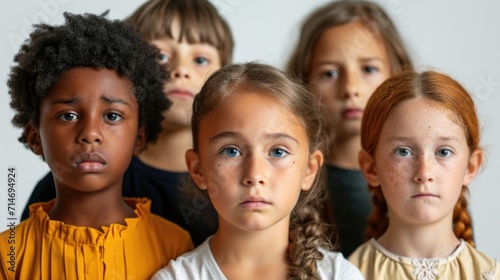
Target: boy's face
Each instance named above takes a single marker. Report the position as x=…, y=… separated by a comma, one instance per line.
x=89, y=128
x=190, y=65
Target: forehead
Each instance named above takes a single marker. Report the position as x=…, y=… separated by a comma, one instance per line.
x=420, y=119
x=352, y=40
x=253, y=114
x=84, y=82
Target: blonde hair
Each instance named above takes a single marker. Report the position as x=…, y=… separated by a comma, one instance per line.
x=339, y=13
x=307, y=230
x=199, y=22
x=440, y=90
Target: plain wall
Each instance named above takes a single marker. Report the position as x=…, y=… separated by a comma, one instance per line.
x=460, y=38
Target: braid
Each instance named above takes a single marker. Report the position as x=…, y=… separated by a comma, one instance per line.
x=378, y=220
x=462, y=222
x=307, y=234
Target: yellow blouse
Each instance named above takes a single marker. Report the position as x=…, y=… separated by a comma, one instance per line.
x=41, y=248
x=376, y=262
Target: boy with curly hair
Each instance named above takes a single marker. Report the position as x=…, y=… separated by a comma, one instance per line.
x=194, y=41
x=88, y=93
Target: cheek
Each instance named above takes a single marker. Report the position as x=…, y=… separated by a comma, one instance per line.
x=220, y=178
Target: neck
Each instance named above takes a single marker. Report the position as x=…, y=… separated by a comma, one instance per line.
x=344, y=152
x=168, y=152
x=429, y=241
x=95, y=210
x=256, y=254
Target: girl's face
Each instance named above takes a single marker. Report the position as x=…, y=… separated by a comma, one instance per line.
x=254, y=161
x=347, y=64
x=421, y=162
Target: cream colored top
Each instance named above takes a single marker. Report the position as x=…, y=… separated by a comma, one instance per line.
x=376, y=262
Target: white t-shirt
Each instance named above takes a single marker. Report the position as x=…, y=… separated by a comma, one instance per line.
x=201, y=264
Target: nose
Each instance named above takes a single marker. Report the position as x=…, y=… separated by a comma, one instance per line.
x=179, y=70
x=90, y=131
x=255, y=171
x=423, y=172
x=351, y=85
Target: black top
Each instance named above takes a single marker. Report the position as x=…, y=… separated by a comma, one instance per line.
x=191, y=209
x=351, y=204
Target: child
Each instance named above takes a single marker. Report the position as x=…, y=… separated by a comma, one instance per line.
x=256, y=151
x=195, y=41
x=88, y=94
x=347, y=49
x=420, y=140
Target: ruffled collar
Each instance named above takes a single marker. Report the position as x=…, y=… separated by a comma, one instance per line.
x=87, y=235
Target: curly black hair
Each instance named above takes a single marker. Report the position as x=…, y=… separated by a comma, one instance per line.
x=86, y=41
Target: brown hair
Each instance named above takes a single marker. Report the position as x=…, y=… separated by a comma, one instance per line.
x=439, y=90
x=307, y=230
x=199, y=22
x=339, y=13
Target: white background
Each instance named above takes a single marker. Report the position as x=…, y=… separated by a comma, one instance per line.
x=460, y=38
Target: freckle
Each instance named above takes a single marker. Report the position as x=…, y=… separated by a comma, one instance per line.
x=219, y=164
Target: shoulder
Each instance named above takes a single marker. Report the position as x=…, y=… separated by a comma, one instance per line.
x=335, y=266
x=363, y=253
x=197, y=264
x=165, y=230
x=470, y=256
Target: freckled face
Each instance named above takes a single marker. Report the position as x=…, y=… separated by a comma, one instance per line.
x=89, y=124
x=421, y=162
x=347, y=64
x=254, y=158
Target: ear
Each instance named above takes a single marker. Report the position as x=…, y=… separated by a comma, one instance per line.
x=368, y=167
x=475, y=161
x=313, y=167
x=32, y=135
x=194, y=168
x=140, y=141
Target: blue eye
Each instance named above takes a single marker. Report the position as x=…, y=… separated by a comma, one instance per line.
x=231, y=152
x=113, y=117
x=403, y=152
x=370, y=69
x=68, y=117
x=278, y=152
x=444, y=152
x=201, y=60
x=163, y=58
x=330, y=74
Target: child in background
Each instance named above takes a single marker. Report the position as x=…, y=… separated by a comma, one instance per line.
x=194, y=41
x=420, y=140
x=88, y=94
x=345, y=51
x=257, y=152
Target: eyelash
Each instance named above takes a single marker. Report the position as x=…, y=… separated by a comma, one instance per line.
x=75, y=117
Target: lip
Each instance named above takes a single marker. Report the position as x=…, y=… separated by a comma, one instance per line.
x=423, y=195
x=254, y=202
x=180, y=93
x=90, y=162
x=352, y=113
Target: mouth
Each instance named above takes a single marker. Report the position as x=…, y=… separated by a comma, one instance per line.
x=254, y=202
x=424, y=195
x=90, y=162
x=352, y=113
x=180, y=93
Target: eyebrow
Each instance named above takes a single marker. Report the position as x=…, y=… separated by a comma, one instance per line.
x=407, y=139
x=234, y=134
x=108, y=100
x=365, y=59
